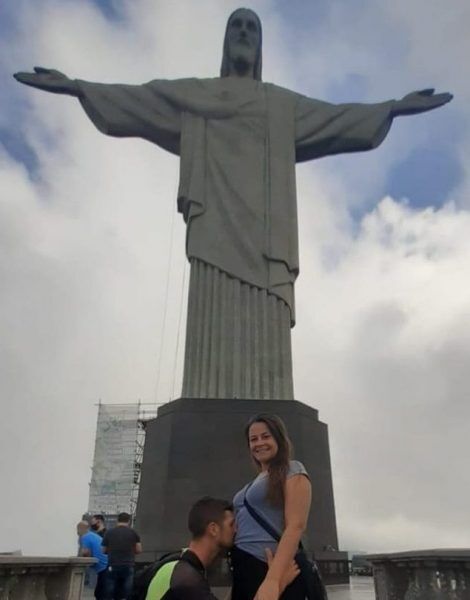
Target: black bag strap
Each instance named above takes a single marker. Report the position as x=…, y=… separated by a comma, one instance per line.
x=261, y=520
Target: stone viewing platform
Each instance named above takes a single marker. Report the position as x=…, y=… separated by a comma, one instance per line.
x=42, y=578
x=415, y=575
x=360, y=588
x=442, y=574
x=49, y=578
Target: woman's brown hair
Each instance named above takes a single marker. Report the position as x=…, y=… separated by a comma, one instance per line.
x=279, y=466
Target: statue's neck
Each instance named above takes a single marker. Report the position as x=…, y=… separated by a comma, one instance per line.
x=242, y=69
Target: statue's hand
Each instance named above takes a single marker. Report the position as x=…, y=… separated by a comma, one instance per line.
x=420, y=101
x=49, y=80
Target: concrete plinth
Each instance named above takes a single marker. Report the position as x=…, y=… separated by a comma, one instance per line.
x=196, y=447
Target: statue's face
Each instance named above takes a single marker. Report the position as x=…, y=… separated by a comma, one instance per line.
x=243, y=36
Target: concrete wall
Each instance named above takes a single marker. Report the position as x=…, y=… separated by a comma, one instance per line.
x=42, y=578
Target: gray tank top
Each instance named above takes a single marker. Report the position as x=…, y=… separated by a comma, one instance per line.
x=250, y=536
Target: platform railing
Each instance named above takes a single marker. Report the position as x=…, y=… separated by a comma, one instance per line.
x=422, y=575
x=42, y=578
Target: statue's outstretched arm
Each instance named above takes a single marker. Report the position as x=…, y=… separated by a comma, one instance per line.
x=420, y=101
x=49, y=80
x=151, y=111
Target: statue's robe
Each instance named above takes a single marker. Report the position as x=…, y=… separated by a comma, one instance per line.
x=238, y=142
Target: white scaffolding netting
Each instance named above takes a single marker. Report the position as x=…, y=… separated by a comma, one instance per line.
x=114, y=466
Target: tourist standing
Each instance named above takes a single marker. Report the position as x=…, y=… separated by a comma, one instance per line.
x=121, y=544
x=97, y=523
x=90, y=546
x=280, y=495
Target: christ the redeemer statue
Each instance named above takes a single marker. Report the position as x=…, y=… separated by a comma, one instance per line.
x=238, y=140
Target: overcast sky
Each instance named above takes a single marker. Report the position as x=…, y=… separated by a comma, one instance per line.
x=89, y=234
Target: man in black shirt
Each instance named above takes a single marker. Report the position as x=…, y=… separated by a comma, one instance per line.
x=121, y=544
x=212, y=525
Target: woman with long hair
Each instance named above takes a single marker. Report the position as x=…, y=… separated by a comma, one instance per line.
x=281, y=495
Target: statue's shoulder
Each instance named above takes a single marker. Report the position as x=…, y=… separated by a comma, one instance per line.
x=180, y=88
x=174, y=83
x=282, y=97
x=214, y=84
x=295, y=97
x=281, y=92
x=195, y=83
x=278, y=89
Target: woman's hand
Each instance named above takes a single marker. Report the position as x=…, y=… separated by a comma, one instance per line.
x=290, y=574
x=268, y=590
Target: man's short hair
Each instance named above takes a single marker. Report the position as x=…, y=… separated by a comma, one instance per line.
x=83, y=525
x=99, y=518
x=206, y=510
x=124, y=517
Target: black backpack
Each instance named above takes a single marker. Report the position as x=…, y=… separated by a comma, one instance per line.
x=143, y=578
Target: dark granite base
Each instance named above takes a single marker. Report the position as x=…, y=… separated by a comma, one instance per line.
x=196, y=447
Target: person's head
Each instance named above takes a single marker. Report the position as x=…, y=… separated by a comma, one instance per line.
x=213, y=520
x=271, y=451
x=97, y=522
x=242, y=45
x=82, y=527
x=124, y=518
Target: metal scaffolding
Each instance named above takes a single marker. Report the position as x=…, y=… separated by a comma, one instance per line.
x=119, y=448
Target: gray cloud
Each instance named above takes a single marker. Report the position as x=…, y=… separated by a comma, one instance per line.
x=383, y=327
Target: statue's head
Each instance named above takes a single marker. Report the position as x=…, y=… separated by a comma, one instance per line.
x=242, y=44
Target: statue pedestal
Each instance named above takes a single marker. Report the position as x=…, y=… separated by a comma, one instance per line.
x=196, y=447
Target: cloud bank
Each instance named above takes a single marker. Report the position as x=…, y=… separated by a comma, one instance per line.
x=93, y=269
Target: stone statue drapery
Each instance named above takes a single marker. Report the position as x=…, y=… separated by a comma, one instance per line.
x=238, y=141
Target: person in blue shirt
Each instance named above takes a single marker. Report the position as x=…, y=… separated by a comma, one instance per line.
x=90, y=546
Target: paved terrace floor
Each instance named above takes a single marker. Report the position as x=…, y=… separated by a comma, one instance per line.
x=360, y=588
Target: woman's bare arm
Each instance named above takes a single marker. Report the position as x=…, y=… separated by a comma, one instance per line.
x=298, y=496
